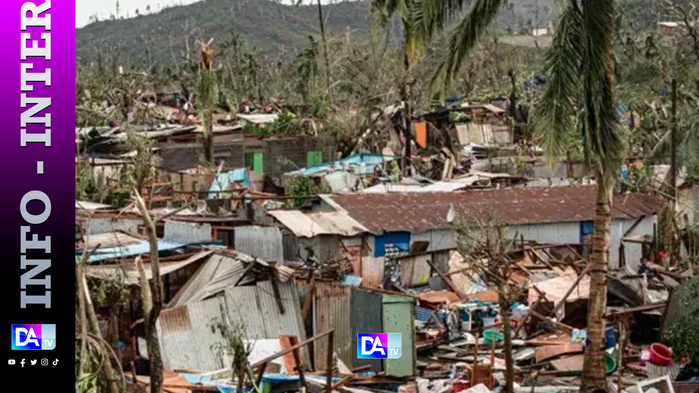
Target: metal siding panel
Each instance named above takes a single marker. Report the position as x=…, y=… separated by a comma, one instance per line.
x=243, y=308
x=332, y=302
x=202, y=315
x=186, y=337
x=106, y=225
x=262, y=242
x=557, y=233
x=633, y=251
x=440, y=239
x=366, y=312
x=398, y=317
x=187, y=232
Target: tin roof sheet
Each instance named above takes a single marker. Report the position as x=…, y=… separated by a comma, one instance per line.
x=420, y=212
x=322, y=223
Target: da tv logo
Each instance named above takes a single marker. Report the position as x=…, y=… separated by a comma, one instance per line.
x=379, y=346
x=33, y=337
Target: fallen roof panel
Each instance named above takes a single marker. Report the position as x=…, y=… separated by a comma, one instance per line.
x=314, y=224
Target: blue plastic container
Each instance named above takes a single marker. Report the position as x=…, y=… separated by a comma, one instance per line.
x=610, y=337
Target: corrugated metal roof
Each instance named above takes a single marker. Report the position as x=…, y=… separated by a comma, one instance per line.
x=130, y=273
x=186, y=337
x=322, y=223
x=420, y=212
x=137, y=248
x=89, y=206
x=218, y=273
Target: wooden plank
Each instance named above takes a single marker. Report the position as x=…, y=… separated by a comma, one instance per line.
x=551, y=351
x=285, y=342
x=297, y=360
x=571, y=363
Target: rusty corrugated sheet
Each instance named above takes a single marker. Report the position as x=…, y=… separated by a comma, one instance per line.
x=262, y=242
x=420, y=212
x=186, y=335
x=332, y=311
x=372, y=271
x=186, y=338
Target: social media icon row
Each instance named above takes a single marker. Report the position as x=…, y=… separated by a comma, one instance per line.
x=33, y=362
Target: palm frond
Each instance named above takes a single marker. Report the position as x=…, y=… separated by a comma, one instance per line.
x=554, y=117
x=433, y=16
x=602, y=132
x=466, y=35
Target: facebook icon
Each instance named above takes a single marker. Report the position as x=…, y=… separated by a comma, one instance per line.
x=379, y=345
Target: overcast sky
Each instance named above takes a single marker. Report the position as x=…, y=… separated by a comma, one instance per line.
x=84, y=9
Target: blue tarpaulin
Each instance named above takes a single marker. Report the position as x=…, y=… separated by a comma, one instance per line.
x=355, y=161
x=131, y=250
x=222, y=182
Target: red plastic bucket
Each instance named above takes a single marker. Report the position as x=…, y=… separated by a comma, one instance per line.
x=660, y=354
x=460, y=385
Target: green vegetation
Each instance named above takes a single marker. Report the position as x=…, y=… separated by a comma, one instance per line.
x=683, y=336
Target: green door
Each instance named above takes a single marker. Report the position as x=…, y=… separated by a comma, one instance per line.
x=255, y=162
x=314, y=158
x=399, y=317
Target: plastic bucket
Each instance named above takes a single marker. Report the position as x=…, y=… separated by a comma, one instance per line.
x=609, y=363
x=660, y=354
x=490, y=336
x=460, y=385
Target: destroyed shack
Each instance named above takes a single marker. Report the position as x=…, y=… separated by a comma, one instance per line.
x=369, y=228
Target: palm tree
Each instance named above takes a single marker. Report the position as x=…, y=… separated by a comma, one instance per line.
x=415, y=39
x=207, y=92
x=580, y=99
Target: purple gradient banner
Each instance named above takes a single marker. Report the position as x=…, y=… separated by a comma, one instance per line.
x=38, y=150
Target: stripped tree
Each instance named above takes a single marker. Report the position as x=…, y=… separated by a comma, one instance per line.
x=151, y=298
x=207, y=96
x=486, y=251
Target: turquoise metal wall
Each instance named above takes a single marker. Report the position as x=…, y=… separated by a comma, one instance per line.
x=399, y=317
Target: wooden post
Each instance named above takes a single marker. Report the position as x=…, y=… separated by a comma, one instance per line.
x=562, y=302
x=620, y=356
x=275, y=289
x=329, y=363
x=293, y=340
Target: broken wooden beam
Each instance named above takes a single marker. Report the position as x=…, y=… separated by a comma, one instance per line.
x=446, y=280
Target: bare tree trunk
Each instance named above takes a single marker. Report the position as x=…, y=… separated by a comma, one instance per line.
x=209, y=138
x=83, y=318
x=152, y=301
x=594, y=371
x=325, y=48
x=405, y=96
x=95, y=327
x=507, y=332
